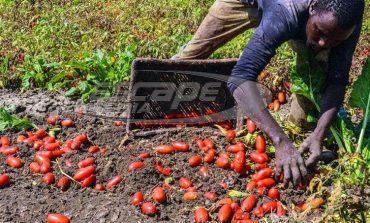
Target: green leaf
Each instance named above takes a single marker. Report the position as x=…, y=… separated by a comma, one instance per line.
x=361, y=88
x=8, y=121
x=71, y=92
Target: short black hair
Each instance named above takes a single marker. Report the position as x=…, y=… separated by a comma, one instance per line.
x=347, y=12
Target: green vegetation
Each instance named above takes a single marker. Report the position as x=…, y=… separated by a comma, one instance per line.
x=8, y=121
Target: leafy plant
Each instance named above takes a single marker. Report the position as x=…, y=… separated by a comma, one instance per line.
x=360, y=98
x=103, y=69
x=7, y=121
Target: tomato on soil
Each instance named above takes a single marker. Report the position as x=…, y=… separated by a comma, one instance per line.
x=4, y=180
x=201, y=215
x=137, y=198
x=57, y=218
x=113, y=182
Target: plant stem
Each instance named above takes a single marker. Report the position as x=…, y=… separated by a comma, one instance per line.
x=364, y=125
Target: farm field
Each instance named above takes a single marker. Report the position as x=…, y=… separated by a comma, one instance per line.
x=53, y=57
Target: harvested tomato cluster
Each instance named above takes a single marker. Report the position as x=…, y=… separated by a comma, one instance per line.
x=47, y=149
x=173, y=119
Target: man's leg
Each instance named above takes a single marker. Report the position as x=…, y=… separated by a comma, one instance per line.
x=225, y=20
x=300, y=105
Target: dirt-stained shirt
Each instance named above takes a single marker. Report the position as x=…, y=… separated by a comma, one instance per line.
x=284, y=20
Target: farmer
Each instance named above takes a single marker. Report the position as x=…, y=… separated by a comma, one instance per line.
x=328, y=28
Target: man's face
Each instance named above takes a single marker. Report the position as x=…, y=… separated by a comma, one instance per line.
x=323, y=32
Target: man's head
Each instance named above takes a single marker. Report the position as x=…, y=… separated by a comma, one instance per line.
x=332, y=21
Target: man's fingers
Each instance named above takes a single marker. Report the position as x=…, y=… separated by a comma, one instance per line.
x=312, y=159
x=302, y=169
x=287, y=175
x=296, y=173
x=303, y=148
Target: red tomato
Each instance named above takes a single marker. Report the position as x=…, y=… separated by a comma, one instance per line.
x=259, y=157
x=222, y=162
x=4, y=141
x=45, y=167
x=83, y=173
x=14, y=162
x=148, y=209
x=135, y=166
x=38, y=144
x=201, y=215
x=262, y=174
x=209, y=143
x=267, y=182
x=57, y=153
x=251, y=126
x=20, y=138
x=52, y=146
x=159, y=195
x=63, y=183
x=113, y=182
x=86, y=162
x=274, y=194
x=234, y=206
x=164, y=149
x=48, y=139
x=260, y=144
x=210, y=196
x=226, y=200
x=276, y=105
x=185, y=183
x=261, y=191
x=224, y=155
x=57, y=218
x=181, y=146
x=88, y=181
x=200, y=143
x=281, y=97
x=203, y=171
x=269, y=207
x=190, y=196
x=35, y=167
x=195, y=161
x=249, y=203
x=40, y=133
x=9, y=151
x=48, y=178
x=75, y=145
x=235, y=148
x=99, y=187
x=251, y=185
x=230, y=135
x=81, y=138
x=258, y=212
x=40, y=159
x=52, y=120
x=192, y=189
x=258, y=166
x=93, y=149
x=118, y=123
x=66, y=123
x=137, y=198
x=224, y=213
x=144, y=156
x=210, y=156
x=4, y=180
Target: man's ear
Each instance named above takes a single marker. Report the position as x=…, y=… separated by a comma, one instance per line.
x=312, y=7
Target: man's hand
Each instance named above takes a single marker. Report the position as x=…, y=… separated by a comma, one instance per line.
x=290, y=163
x=314, y=145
